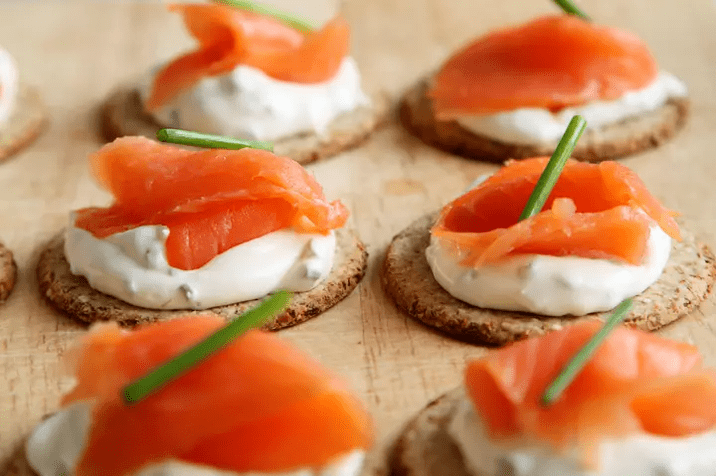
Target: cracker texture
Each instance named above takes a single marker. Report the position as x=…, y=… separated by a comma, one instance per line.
x=123, y=115
x=687, y=281
x=25, y=123
x=626, y=137
x=17, y=464
x=425, y=448
x=8, y=273
x=73, y=294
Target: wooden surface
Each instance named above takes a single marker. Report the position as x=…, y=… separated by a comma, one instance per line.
x=75, y=53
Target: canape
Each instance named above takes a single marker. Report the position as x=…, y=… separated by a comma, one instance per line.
x=254, y=77
x=22, y=112
x=642, y=405
x=480, y=272
x=510, y=93
x=212, y=229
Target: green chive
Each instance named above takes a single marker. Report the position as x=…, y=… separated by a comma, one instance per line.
x=290, y=20
x=209, y=141
x=162, y=375
x=577, y=363
x=571, y=8
x=554, y=167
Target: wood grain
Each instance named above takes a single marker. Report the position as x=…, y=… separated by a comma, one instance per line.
x=76, y=53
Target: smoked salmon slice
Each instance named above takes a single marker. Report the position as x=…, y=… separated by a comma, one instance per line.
x=229, y=37
x=210, y=200
x=636, y=382
x=552, y=62
x=588, y=203
x=257, y=405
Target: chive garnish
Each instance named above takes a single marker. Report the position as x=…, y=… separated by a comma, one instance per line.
x=580, y=359
x=162, y=375
x=290, y=20
x=554, y=167
x=209, y=141
x=571, y=8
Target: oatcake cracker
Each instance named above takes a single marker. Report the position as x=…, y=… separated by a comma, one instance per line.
x=27, y=120
x=17, y=464
x=623, y=138
x=72, y=294
x=686, y=281
x=123, y=115
x=425, y=448
x=8, y=273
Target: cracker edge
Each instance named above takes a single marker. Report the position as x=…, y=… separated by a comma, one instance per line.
x=61, y=288
x=8, y=273
x=430, y=422
x=415, y=112
x=500, y=327
x=31, y=113
x=122, y=114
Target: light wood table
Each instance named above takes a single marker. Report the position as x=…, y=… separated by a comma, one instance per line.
x=77, y=52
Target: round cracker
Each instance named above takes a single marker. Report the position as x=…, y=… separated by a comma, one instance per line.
x=25, y=123
x=616, y=140
x=425, y=448
x=686, y=282
x=73, y=294
x=16, y=464
x=8, y=273
x=123, y=114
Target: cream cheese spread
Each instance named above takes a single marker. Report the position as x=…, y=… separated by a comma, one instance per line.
x=535, y=126
x=248, y=104
x=549, y=285
x=56, y=444
x=636, y=455
x=8, y=85
x=132, y=266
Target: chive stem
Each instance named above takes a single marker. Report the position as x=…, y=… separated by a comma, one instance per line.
x=554, y=167
x=162, y=375
x=209, y=141
x=290, y=20
x=569, y=7
x=580, y=359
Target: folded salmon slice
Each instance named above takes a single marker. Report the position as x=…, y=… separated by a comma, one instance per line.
x=635, y=383
x=210, y=200
x=552, y=62
x=229, y=37
x=257, y=405
x=594, y=211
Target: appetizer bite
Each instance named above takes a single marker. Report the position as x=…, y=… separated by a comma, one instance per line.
x=510, y=93
x=22, y=113
x=258, y=76
x=210, y=229
x=256, y=406
x=641, y=406
x=485, y=270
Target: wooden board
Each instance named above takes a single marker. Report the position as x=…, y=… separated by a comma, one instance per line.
x=77, y=52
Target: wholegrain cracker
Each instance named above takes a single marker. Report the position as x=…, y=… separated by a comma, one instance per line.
x=73, y=294
x=26, y=122
x=123, y=115
x=686, y=281
x=616, y=140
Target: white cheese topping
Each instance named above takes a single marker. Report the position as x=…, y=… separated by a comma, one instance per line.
x=132, y=266
x=636, y=455
x=549, y=285
x=8, y=85
x=540, y=126
x=248, y=104
x=56, y=444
